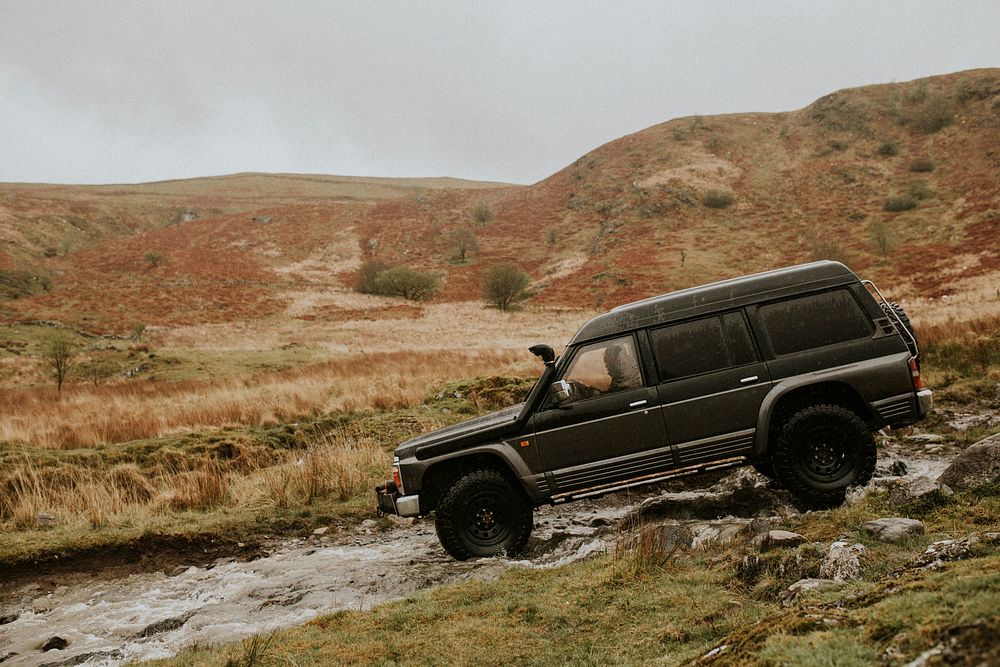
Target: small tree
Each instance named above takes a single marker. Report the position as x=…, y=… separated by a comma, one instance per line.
x=96, y=370
x=407, y=283
x=504, y=285
x=154, y=259
x=463, y=241
x=482, y=214
x=58, y=353
x=137, y=331
x=364, y=282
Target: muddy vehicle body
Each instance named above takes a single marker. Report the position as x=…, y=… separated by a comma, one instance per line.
x=791, y=371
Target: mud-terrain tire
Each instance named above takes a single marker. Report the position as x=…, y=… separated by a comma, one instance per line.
x=764, y=466
x=821, y=450
x=483, y=514
x=905, y=319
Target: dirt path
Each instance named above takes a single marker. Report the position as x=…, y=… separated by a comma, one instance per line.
x=141, y=616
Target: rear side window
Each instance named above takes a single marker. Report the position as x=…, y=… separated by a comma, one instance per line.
x=701, y=346
x=814, y=321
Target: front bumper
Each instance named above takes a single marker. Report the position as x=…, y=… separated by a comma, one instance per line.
x=390, y=501
x=925, y=401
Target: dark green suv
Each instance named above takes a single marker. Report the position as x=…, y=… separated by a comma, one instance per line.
x=790, y=371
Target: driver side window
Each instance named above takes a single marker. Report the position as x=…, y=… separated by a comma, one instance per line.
x=603, y=368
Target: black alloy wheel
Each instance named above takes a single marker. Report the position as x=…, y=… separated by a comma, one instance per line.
x=821, y=451
x=483, y=514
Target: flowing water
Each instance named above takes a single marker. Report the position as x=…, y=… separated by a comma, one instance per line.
x=155, y=615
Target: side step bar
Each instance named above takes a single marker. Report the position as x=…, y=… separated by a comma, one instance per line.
x=602, y=489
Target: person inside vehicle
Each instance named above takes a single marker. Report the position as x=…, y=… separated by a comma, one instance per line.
x=622, y=368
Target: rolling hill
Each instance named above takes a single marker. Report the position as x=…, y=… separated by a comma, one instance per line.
x=901, y=181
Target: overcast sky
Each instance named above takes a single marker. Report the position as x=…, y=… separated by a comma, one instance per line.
x=101, y=92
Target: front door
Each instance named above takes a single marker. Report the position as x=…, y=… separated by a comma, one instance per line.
x=593, y=436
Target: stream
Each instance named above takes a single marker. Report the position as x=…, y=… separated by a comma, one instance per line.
x=155, y=615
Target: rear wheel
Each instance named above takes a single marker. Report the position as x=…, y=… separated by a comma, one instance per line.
x=483, y=514
x=822, y=450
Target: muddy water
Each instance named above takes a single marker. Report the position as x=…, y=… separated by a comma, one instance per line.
x=155, y=615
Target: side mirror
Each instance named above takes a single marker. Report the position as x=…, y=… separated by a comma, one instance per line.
x=562, y=391
x=545, y=352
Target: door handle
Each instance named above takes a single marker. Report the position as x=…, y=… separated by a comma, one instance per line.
x=638, y=404
x=752, y=378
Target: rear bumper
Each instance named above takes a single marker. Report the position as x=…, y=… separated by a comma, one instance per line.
x=925, y=401
x=390, y=501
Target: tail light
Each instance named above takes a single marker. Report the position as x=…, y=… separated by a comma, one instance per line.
x=397, y=478
x=915, y=374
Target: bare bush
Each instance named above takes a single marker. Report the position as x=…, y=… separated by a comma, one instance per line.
x=505, y=285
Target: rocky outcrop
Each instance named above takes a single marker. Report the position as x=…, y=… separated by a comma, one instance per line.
x=919, y=488
x=893, y=529
x=844, y=561
x=780, y=539
x=977, y=466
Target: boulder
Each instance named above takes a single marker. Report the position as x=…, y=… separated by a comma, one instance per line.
x=780, y=539
x=979, y=465
x=843, y=562
x=893, y=468
x=941, y=552
x=55, y=644
x=894, y=529
x=803, y=585
x=916, y=489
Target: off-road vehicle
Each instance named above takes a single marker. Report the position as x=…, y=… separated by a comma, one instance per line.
x=791, y=371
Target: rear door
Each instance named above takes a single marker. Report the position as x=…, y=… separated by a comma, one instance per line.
x=711, y=384
x=588, y=439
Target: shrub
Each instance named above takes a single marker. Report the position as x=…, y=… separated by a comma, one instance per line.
x=154, y=259
x=482, y=214
x=407, y=283
x=922, y=165
x=717, y=198
x=463, y=241
x=364, y=282
x=888, y=149
x=933, y=114
x=900, y=203
x=882, y=238
x=504, y=285
x=920, y=190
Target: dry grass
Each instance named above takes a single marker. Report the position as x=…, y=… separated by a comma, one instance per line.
x=88, y=416
x=336, y=466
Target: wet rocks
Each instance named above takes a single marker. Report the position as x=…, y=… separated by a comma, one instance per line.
x=919, y=488
x=166, y=625
x=780, y=539
x=893, y=529
x=54, y=644
x=925, y=437
x=741, y=502
x=977, y=466
x=843, y=562
x=894, y=468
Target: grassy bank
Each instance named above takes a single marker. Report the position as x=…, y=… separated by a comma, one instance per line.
x=642, y=605
x=243, y=481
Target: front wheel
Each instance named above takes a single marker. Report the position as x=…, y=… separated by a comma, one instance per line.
x=483, y=514
x=821, y=450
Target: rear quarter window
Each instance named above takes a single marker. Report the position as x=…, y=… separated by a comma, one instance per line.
x=814, y=320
